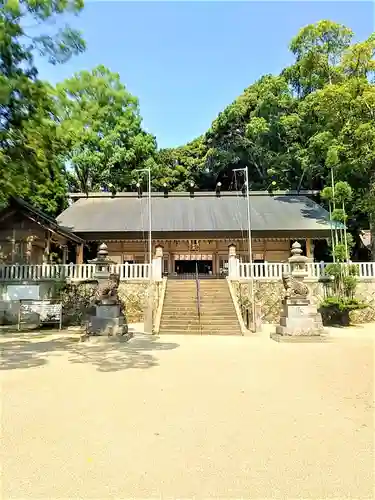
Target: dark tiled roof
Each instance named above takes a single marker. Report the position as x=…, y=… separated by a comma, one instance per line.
x=42, y=218
x=179, y=212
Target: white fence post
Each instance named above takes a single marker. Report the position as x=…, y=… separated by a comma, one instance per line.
x=233, y=264
x=157, y=262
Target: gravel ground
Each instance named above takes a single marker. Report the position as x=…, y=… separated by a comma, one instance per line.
x=188, y=417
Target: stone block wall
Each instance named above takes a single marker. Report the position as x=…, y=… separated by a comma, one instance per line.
x=133, y=295
x=76, y=298
x=269, y=294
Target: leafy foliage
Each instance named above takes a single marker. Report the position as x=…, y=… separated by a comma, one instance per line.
x=28, y=147
x=340, y=299
x=297, y=130
x=100, y=125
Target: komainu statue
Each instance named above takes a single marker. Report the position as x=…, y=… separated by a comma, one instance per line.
x=106, y=291
x=106, y=316
x=294, y=289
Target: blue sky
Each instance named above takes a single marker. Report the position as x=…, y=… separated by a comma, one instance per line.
x=186, y=61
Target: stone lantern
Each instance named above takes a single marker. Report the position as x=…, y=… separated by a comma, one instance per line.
x=109, y=320
x=299, y=318
x=298, y=262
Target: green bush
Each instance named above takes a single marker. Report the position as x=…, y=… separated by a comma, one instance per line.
x=76, y=300
x=336, y=310
x=340, y=300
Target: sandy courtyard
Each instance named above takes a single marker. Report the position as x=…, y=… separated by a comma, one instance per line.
x=188, y=417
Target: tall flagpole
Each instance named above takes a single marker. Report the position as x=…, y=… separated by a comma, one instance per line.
x=250, y=246
x=250, y=249
x=149, y=222
x=149, y=315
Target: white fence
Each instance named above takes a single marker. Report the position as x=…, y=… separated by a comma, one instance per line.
x=274, y=271
x=75, y=272
x=79, y=272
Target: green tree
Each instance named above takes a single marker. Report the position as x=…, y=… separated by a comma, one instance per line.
x=178, y=167
x=27, y=131
x=101, y=128
x=318, y=49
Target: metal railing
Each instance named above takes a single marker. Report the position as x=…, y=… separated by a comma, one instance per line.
x=198, y=298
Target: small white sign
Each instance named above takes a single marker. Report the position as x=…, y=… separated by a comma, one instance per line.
x=22, y=292
x=48, y=313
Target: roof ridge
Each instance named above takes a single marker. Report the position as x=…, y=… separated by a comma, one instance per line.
x=183, y=194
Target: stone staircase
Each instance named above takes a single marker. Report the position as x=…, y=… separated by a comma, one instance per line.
x=180, y=312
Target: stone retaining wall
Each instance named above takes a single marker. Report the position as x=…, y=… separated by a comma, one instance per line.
x=133, y=295
x=76, y=298
x=269, y=294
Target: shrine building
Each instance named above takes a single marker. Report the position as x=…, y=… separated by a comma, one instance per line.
x=196, y=228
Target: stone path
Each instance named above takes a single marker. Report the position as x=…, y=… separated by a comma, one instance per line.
x=188, y=416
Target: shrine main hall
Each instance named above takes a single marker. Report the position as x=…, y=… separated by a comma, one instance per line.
x=196, y=228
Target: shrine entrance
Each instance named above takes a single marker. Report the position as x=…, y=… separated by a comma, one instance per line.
x=192, y=263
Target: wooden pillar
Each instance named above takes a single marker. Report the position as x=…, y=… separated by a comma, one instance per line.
x=79, y=254
x=309, y=249
x=47, y=247
x=13, y=242
x=65, y=254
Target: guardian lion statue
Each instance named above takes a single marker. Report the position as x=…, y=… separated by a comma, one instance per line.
x=294, y=289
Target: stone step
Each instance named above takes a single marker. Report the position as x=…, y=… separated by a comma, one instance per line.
x=176, y=323
x=203, y=312
x=180, y=308
x=176, y=328
x=226, y=306
x=193, y=298
x=186, y=324
x=198, y=332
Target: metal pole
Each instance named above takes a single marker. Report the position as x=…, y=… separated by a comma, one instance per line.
x=150, y=292
x=250, y=247
x=149, y=315
x=149, y=222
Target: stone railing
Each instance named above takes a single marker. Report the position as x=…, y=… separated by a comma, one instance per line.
x=74, y=272
x=274, y=271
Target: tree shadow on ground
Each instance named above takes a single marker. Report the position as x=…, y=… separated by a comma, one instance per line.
x=116, y=356
x=20, y=352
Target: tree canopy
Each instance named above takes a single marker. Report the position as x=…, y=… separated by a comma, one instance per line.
x=296, y=130
x=100, y=126
x=29, y=151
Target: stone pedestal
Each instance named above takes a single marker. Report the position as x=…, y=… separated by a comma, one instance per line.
x=108, y=321
x=300, y=321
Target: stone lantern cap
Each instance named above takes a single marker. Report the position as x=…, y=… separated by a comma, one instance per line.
x=102, y=263
x=298, y=261
x=297, y=256
x=102, y=256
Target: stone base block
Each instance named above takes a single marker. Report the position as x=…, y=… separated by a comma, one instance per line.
x=297, y=338
x=100, y=339
x=300, y=329
x=108, y=311
x=299, y=322
x=108, y=326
